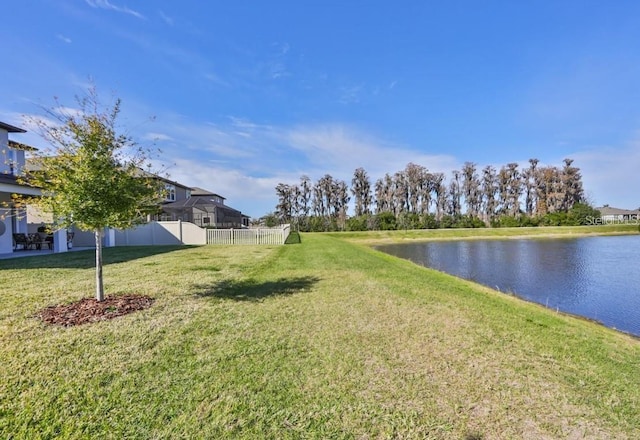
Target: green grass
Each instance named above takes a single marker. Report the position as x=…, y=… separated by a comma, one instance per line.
x=484, y=233
x=322, y=339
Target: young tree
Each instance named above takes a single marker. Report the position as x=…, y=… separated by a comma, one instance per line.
x=92, y=177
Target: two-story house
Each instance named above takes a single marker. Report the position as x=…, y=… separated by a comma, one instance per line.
x=12, y=162
x=206, y=209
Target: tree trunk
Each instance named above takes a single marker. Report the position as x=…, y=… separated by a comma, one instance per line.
x=99, y=284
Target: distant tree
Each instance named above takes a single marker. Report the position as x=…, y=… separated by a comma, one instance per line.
x=340, y=202
x=385, y=194
x=284, y=209
x=400, y=193
x=489, y=190
x=415, y=181
x=93, y=177
x=440, y=190
x=455, y=195
x=571, y=179
x=471, y=189
x=582, y=214
x=529, y=179
x=361, y=190
x=270, y=220
x=304, y=201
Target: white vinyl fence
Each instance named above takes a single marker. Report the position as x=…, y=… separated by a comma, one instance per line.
x=249, y=236
x=179, y=232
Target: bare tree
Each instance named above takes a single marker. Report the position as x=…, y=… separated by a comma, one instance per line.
x=529, y=179
x=361, y=190
x=571, y=185
x=440, y=191
x=489, y=193
x=455, y=194
x=284, y=208
x=414, y=181
x=471, y=189
x=340, y=202
x=400, y=193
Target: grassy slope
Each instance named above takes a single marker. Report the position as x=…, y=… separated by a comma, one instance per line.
x=324, y=339
x=485, y=233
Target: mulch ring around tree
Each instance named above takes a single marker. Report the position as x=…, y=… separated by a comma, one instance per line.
x=89, y=310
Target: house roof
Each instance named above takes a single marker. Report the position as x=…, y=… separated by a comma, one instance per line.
x=609, y=210
x=196, y=191
x=203, y=203
x=11, y=128
x=19, y=146
x=161, y=178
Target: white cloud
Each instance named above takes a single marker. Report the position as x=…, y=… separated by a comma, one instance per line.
x=244, y=161
x=168, y=20
x=64, y=38
x=610, y=175
x=253, y=195
x=157, y=137
x=105, y=4
x=341, y=149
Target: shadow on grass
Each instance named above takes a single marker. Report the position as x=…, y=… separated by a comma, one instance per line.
x=251, y=290
x=293, y=238
x=87, y=258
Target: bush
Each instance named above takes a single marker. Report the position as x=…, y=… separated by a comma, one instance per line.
x=429, y=222
x=580, y=213
x=386, y=221
x=359, y=223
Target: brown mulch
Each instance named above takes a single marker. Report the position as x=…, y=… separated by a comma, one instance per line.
x=89, y=310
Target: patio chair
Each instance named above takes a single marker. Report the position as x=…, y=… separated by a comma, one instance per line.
x=48, y=240
x=20, y=239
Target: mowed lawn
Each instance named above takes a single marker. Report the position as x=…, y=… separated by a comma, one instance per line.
x=324, y=339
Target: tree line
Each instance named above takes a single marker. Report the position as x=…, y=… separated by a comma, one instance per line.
x=415, y=198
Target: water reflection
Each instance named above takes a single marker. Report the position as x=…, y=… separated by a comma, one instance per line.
x=595, y=277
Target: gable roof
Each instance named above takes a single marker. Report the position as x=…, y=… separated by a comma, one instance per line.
x=11, y=128
x=609, y=210
x=202, y=203
x=197, y=192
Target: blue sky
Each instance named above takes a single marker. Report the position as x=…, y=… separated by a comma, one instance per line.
x=247, y=94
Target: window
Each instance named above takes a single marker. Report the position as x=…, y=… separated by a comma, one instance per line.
x=170, y=192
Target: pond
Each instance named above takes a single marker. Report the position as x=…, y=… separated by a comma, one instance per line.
x=594, y=277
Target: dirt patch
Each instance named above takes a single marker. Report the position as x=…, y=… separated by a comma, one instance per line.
x=89, y=310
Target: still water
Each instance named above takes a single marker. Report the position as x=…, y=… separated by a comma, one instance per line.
x=595, y=277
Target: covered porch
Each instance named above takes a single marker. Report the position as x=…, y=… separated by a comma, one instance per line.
x=20, y=232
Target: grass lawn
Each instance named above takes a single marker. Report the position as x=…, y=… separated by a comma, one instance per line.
x=322, y=339
x=485, y=233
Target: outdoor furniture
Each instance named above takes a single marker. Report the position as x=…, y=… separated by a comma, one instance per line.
x=20, y=239
x=35, y=241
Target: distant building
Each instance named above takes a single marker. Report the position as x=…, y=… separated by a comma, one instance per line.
x=206, y=209
x=610, y=214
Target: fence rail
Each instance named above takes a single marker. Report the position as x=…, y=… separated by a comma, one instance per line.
x=248, y=236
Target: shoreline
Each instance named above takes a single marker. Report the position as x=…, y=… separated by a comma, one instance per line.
x=373, y=238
